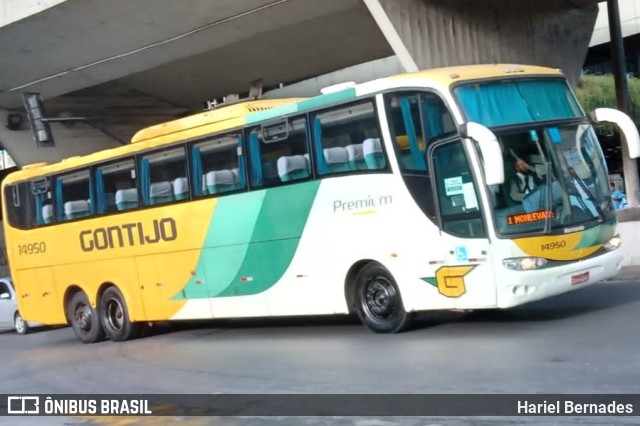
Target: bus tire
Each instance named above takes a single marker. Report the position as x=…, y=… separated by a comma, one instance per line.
x=20, y=324
x=84, y=319
x=115, y=316
x=378, y=302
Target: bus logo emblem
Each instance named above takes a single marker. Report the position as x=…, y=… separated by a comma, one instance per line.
x=450, y=280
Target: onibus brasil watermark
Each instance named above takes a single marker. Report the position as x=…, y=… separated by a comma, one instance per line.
x=35, y=405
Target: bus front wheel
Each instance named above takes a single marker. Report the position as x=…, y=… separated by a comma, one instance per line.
x=115, y=316
x=378, y=300
x=84, y=319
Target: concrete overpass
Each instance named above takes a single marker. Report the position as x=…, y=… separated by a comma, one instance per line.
x=126, y=64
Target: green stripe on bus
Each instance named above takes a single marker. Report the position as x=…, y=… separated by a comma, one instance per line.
x=251, y=241
x=225, y=244
x=275, y=240
x=327, y=99
x=597, y=235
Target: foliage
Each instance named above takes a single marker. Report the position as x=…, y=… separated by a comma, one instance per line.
x=595, y=91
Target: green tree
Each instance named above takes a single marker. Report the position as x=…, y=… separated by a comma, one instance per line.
x=596, y=91
x=599, y=91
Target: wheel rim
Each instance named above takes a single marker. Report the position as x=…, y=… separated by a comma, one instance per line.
x=19, y=324
x=380, y=298
x=115, y=314
x=83, y=317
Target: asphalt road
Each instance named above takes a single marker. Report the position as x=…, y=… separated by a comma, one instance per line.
x=582, y=342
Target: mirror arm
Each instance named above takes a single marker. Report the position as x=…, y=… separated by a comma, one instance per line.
x=491, y=151
x=624, y=123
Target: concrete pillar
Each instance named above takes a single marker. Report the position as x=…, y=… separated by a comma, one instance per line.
x=459, y=32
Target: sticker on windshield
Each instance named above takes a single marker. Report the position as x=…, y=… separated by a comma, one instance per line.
x=470, y=200
x=554, y=135
x=572, y=157
x=453, y=186
x=519, y=219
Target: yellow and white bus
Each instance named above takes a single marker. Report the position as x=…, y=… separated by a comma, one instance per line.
x=460, y=188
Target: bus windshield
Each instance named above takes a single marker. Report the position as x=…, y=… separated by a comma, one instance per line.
x=555, y=172
x=555, y=177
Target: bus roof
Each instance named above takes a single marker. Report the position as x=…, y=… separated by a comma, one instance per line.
x=450, y=75
x=243, y=113
x=207, y=118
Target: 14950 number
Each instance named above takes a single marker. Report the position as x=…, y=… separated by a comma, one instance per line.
x=32, y=248
x=553, y=246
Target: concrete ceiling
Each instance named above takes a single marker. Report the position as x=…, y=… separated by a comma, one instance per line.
x=127, y=64
x=181, y=53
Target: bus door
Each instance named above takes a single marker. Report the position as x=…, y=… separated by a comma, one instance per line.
x=467, y=276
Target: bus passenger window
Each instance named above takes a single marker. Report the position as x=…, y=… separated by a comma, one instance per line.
x=278, y=153
x=163, y=177
x=23, y=209
x=41, y=195
x=73, y=196
x=116, y=187
x=415, y=118
x=217, y=165
x=347, y=139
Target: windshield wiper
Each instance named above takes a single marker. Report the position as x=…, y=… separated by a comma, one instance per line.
x=547, y=220
x=586, y=190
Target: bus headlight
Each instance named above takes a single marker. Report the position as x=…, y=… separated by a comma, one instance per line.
x=524, y=263
x=613, y=243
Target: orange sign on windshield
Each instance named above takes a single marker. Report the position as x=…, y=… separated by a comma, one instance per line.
x=519, y=219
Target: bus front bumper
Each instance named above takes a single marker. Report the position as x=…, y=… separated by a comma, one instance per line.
x=519, y=287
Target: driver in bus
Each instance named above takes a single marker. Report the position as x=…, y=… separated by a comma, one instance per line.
x=524, y=180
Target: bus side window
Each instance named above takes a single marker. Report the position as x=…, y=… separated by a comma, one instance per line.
x=163, y=176
x=116, y=187
x=73, y=196
x=217, y=165
x=417, y=120
x=347, y=139
x=279, y=153
x=41, y=197
x=23, y=212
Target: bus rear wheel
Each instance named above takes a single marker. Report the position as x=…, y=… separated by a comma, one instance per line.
x=115, y=316
x=84, y=319
x=378, y=302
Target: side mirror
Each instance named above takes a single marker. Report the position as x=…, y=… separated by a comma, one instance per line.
x=491, y=152
x=4, y=296
x=624, y=123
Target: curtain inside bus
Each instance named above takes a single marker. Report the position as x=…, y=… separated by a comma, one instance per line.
x=59, y=201
x=255, y=160
x=417, y=156
x=102, y=195
x=515, y=102
x=145, y=180
x=196, y=171
x=323, y=168
x=39, y=206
